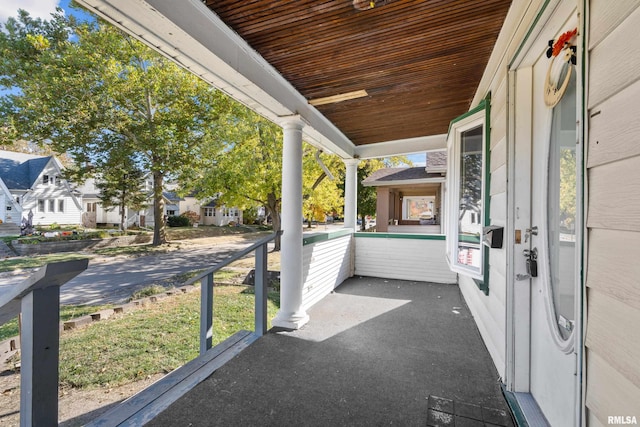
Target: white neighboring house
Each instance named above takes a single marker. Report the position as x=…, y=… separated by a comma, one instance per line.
x=209, y=211
x=36, y=185
x=95, y=214
x=212, y=214
x=10, y=212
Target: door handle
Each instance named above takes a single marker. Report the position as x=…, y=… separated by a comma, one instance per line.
x=533, y=231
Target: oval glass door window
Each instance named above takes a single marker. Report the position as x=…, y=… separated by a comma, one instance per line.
x=561, y=205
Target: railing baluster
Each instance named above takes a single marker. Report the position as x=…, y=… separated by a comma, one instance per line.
x=39, y=357
x=260, y=287
x=37, y=298
x=206, y=313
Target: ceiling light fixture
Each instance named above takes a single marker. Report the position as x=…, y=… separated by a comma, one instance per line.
x=339, y=98
x=367, y=4
x=364, y=4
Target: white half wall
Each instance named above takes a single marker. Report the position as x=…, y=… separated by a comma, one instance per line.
x=326, y=263
x=402, y=256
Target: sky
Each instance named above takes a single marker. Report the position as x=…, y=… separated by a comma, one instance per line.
x=43, y=9
x=418, y=159
x=36, y=8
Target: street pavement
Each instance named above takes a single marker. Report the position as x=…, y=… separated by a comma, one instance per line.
x=113, y=280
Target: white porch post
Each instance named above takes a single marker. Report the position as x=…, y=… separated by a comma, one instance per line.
x=351, y=193
x=291, y=314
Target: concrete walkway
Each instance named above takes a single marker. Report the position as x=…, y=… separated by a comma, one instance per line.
x=113, y=280
x=376, y=352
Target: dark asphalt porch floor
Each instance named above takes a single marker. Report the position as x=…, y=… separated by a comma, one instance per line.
x=375, y=352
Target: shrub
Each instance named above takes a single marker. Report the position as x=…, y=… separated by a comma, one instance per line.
x=191, y=216
x=250, y=215
x=178, y=221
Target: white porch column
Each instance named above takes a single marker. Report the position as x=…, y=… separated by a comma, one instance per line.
x=291, y=314
x=351, y=193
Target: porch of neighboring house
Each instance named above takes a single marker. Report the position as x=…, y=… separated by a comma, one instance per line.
x=410, y=199
x=377, y=351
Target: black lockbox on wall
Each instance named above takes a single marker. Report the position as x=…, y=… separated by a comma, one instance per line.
x=492, y=236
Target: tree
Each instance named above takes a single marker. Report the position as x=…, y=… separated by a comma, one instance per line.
x=568, y=185
x=22, y=146
x=89, y=90
x=322, y=194
x=367, y=196
x=248, y=171
x=122, y=186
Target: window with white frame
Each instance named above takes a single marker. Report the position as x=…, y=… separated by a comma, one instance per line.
x=40, y=205
x=467, y=194
x=52, y=205
x=61, y=205
x=209, y=211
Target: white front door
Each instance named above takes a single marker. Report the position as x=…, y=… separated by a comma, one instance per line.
x=547, y=204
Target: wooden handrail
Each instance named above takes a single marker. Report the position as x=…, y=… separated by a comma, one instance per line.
x=260, y=287
x=233, y=258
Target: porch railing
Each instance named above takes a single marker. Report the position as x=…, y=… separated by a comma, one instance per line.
x=37, y=298
x=260, y=288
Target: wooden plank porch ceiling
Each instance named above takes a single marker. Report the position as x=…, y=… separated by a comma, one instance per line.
x=418, y=61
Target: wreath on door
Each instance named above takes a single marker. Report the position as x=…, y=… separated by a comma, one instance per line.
x=564, y=48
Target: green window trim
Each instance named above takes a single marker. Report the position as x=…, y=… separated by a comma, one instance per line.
x=479, y=115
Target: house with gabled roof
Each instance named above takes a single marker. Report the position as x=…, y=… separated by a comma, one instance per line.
x=410, y=199
x=36, y=185
x=213, y=213
x=10, y=212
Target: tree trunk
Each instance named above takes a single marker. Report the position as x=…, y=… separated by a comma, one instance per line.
x=123, y=202
x=159, y=236
x=273, y=206
x=122, y=219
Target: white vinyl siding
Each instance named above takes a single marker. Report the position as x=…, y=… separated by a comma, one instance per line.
x=326, y=264
x=402, y=258
x=489, y=311
x=44, y=201
x=613, y=171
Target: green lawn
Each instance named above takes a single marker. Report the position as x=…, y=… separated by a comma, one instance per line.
x=155, y=339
